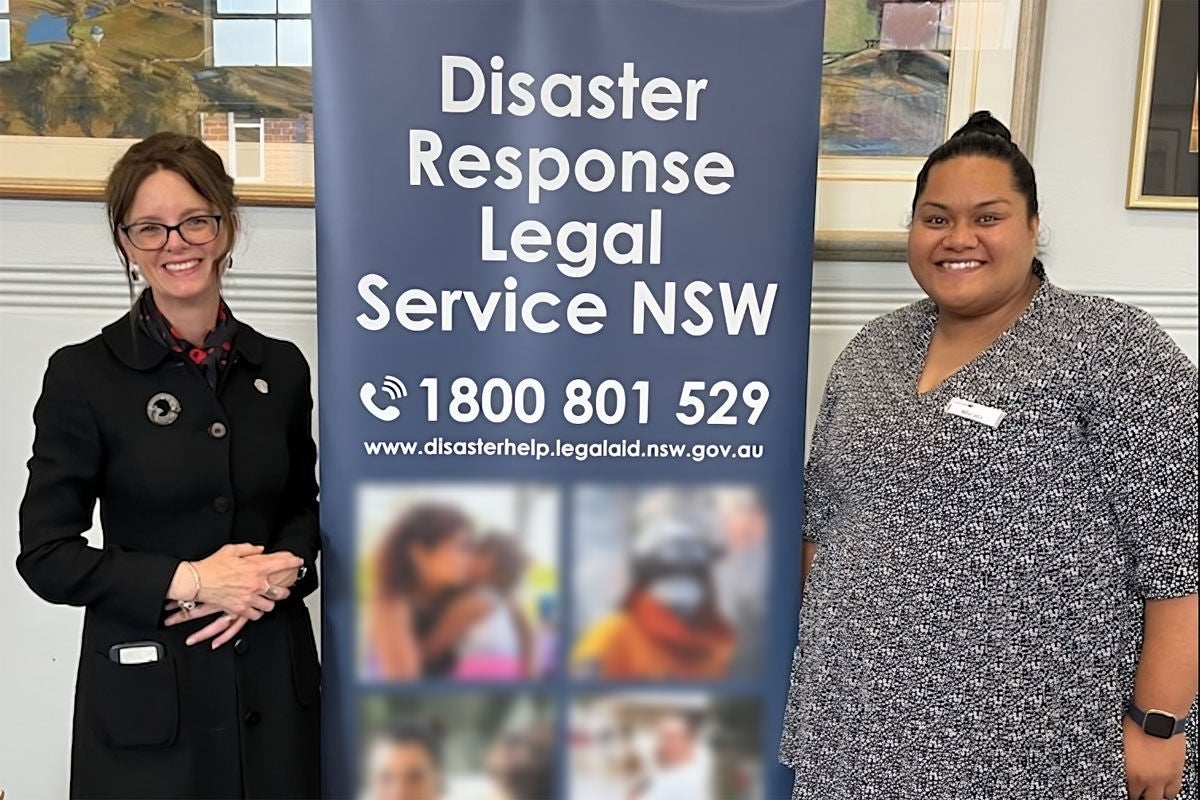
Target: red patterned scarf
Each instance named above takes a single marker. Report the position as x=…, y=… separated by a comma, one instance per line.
x=210, y=357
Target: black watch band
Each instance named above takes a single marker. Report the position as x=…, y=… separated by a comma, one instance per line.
x=1157, y=723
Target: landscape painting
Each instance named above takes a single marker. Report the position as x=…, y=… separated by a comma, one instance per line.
x=886, y=76
x=82, y=79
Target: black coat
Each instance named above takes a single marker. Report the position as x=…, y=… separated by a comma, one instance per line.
x=235, y=465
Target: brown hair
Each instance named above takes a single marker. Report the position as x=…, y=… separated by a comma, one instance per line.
x=191, y=159
x=508, y=559
x=425, y=525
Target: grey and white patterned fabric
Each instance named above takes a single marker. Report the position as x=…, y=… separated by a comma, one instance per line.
x=973, y=619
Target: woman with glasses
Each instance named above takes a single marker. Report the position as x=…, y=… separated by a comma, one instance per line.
x=198, y=674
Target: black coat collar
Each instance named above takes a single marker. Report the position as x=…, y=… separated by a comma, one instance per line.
x=129, y=343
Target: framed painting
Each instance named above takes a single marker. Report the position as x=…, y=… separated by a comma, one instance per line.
x=1163, y=158
x=899, y=76
x=82, y=80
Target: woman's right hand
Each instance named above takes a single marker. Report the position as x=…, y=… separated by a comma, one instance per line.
x=236, y=578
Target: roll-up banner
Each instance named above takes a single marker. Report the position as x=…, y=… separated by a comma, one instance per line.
x=564, y=257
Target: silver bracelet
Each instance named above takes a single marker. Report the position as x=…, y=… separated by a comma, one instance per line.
x=190, y=605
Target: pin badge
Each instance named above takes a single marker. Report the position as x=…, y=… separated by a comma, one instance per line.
x=163, y=408
x=261, y=385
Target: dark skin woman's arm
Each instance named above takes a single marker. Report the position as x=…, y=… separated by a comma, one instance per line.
x=810, y=552
x=392, y=635
x=1166, y=681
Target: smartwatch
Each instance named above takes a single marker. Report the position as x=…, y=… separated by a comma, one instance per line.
x=1159, y=724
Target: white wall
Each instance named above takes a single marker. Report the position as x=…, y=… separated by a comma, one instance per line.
x=1081, y=154
x=59, y=282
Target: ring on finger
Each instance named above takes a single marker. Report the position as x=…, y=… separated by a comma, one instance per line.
x=271, y=592
x=228, y=617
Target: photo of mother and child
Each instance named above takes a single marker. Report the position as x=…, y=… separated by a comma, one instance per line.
x=445, y=600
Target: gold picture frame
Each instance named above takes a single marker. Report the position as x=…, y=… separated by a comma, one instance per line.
x=994, y=64
x=81, y=83
x=1162, y=153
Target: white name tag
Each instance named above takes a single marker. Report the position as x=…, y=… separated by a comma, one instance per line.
x=986, y=415
x=138, y=655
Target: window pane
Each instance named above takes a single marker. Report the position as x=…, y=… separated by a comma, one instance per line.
x=248, y=135
x=4, y=6
x=5, y=53
x=243, y=42
x=290, y=6
x=249, y=160
x=245, y=6
x=295, y=43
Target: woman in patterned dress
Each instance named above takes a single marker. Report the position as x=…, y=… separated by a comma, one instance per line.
x=1000, y=530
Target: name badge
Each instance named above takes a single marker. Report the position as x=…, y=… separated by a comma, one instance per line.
x=986, y=415
x=136, y=652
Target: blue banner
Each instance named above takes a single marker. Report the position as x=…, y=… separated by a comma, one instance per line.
x=564, y=258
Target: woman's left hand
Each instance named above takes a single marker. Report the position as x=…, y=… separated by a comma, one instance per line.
x=1153, y=766
x=224, y=627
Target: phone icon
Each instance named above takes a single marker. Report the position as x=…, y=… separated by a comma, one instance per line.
x=388, y=412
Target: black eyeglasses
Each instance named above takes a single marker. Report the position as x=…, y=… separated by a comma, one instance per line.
x=200, y=229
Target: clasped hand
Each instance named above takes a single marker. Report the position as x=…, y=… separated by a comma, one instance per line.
x=240, y=583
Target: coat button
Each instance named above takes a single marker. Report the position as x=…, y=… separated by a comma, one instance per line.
x=240, y=646
x=252, y=718
x=221, y=504
x=217, y=430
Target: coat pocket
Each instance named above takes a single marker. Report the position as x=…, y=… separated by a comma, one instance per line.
x=306, y=669
x=132, y=705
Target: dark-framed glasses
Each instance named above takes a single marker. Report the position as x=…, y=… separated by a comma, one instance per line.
x=200, y=229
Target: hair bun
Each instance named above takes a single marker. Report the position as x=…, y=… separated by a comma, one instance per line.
x=983, y=122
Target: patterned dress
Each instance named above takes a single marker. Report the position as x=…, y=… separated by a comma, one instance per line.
x=973, y=618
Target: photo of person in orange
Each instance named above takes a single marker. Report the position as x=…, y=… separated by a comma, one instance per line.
x=677, y=617
x=669, y=624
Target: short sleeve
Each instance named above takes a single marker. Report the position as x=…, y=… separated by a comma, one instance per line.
x=820, y=497
x=1145, y=419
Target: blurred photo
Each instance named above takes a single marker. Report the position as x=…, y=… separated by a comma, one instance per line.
x=640, y=746
x=458, y=582
x=458, y=747
x=670, y=582
x=404, y=762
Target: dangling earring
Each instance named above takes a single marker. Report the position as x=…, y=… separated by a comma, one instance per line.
x=134, y=275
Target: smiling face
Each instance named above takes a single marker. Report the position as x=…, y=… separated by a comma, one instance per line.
x=972, y=240
x=180, y=273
